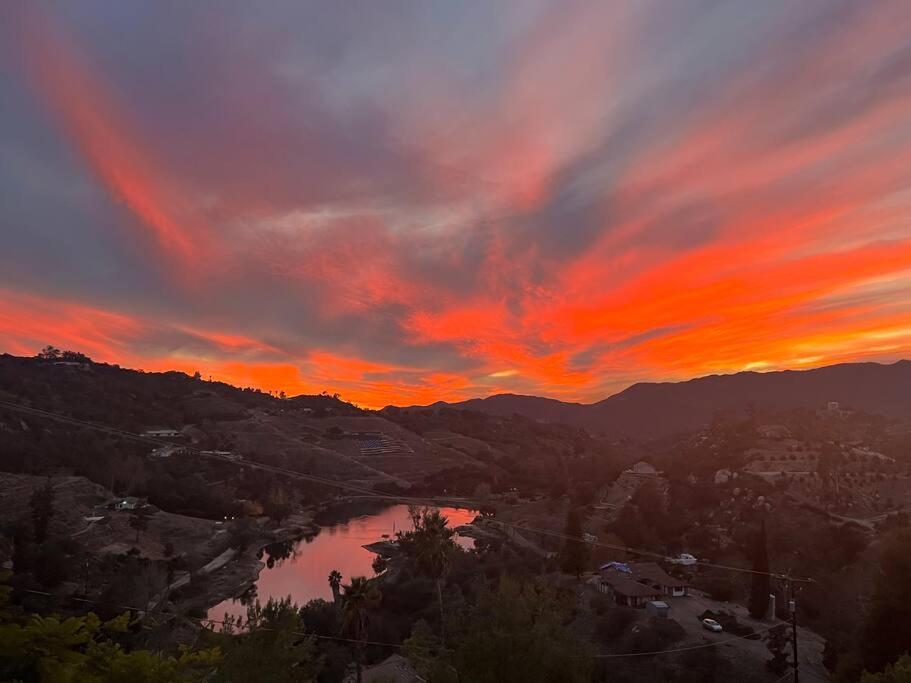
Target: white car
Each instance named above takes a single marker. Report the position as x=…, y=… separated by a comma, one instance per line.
x=712, y=625
x=685, y=559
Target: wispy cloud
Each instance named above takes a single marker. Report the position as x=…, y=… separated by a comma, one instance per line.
x=553, y=198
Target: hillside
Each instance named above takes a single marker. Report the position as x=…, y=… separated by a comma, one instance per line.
x=648, y=410
x=318, y=435
x=315, y=434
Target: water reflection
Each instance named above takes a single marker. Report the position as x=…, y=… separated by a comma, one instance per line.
x=276, y=553
x=301, y=568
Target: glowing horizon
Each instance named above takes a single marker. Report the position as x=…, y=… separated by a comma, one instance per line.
x=558, y=199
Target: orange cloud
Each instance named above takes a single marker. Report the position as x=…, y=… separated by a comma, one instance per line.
x=28, y=323
x=98, y=128
x=797, y=184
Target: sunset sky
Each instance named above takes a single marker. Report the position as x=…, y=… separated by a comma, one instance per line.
x=411, y=201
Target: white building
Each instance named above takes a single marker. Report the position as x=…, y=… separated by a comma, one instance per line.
x=161, y=433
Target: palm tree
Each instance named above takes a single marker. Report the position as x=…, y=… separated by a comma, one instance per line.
x=434, y=548
x=335, y=579
x=359, y=597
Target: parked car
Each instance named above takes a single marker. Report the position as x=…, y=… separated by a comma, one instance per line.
x=711, y=625
x=685, y=559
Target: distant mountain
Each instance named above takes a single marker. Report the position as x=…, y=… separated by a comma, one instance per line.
x=504, y=405
x=655, y=409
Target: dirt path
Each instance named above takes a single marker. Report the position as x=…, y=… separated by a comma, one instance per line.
x=212, y=566
x=342, y=456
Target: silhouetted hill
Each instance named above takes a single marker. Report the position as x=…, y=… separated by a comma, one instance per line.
x=661, y=408
x=134, y=400
x=505, y=405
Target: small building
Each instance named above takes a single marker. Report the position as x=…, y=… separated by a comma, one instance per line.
x=643, y=468
x=127, y=503
x=651, y=574
x=160, y=433
x=619, y=579
x=657, y=608
x=628, y=592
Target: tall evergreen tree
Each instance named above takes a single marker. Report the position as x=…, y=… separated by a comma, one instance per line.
x=41, y=505
x=762, y=582
x=885, y=635
x=575, y=551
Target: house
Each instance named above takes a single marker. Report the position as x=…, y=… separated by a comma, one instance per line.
x=636, y=583
x=628, y=592
x=651, y=574
x=126, y=503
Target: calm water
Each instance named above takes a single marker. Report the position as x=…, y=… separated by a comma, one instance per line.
x=301, y=568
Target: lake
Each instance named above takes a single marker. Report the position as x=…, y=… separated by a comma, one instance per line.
x=301, y=568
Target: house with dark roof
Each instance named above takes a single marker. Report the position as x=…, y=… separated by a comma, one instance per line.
x=627, y=592
x=653, y=575
x=634, y=584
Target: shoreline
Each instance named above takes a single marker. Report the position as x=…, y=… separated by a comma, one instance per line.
x=242, y=572
x=239, y=574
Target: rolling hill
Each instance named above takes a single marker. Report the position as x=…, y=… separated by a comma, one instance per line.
x=656, y=409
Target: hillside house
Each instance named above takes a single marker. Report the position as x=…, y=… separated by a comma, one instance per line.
x=628, y=593
x=653, y=575
x=636, y=583
x=126, y=504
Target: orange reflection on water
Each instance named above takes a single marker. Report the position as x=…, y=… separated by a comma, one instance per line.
x=304, y=575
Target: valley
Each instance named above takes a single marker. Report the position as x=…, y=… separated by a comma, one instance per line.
x=173, y=495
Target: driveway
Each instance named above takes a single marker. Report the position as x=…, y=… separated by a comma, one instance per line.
x=687, y=610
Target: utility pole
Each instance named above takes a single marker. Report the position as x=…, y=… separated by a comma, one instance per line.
x=792, y=605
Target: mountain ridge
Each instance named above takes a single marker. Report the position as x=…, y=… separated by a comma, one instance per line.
x=659, y=408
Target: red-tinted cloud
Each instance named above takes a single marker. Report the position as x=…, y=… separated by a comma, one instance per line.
x=589, y=196
x=99, y=128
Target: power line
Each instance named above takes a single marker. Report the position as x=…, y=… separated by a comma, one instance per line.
x=375, y=494
x=693, y=647
x=204, y=621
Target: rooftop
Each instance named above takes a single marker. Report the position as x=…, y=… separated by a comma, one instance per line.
x=650, y=571
x=629, y=587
